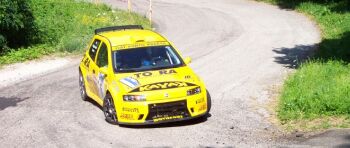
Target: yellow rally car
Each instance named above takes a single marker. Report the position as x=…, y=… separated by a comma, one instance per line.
x=138, y=77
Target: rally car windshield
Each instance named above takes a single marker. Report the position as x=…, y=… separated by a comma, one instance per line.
x=146, y=58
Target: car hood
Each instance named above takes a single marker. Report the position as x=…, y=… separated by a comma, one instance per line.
x=157, y=80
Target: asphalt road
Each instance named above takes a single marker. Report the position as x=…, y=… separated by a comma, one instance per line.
x=240, y=48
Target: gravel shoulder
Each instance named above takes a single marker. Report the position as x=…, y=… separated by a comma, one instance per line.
x=19, y=72
x=240, y=48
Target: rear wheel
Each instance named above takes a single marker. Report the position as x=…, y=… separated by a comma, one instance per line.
x=109, y=110
x=82, y=88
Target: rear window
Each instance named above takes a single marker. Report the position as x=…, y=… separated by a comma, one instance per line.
x=93, y=49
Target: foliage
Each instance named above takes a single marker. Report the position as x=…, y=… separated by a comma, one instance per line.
x=62, y=25
x=321, y=86
x=17, y=26
x=316, y=89
x=65, y=26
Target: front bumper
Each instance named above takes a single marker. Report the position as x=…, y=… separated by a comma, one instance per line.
x=162, y=111
x=162, y=122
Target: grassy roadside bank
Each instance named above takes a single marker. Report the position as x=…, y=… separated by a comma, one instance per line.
x=65, y=26
x=317, y=95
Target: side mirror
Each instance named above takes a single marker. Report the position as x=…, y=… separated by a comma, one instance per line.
x=104, y=71
x=187, y=60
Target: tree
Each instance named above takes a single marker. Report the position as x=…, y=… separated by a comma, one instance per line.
x=17, y=25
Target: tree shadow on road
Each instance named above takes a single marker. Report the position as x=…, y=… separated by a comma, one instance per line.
x=294, y=57
x=345, y=145
x=338, y=6
x=6, y=102
x=328, y=49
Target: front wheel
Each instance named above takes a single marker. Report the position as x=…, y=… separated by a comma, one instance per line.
x=208, y=102
x=109, y=110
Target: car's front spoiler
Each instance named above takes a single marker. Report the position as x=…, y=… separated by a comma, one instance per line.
x=163, y=122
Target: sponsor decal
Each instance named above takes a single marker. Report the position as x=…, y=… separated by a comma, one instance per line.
x=162, y=85
x=132, y=110
x=101, y=85
x=188, y=77
x=161, y=72
x=138, y=45
x=166, y=72
x=86, y=62
x=127, y=116
x=167, y=118
x=201, y=100
x=131, y=82
x=202, y=107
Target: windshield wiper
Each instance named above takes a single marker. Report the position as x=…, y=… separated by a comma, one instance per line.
x=165, y=67
x=128, y=70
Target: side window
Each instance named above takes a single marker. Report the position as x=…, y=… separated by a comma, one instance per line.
x=93, y=49
x=102, y=57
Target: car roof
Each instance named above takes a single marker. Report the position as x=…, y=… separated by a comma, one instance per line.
x=132, y=36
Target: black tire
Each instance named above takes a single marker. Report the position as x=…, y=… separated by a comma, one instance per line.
x=109, y=110
x=208, y=102
x=82, y=87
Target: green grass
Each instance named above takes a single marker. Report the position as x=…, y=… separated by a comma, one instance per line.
x=320, y=88
x=316, y=89
x=67, y=26
x=24, y=54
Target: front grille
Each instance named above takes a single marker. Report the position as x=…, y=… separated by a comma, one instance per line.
x=162, y=110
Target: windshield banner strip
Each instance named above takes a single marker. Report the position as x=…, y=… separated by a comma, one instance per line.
x=143, y=44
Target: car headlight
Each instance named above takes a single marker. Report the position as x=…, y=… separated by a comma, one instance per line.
x=194, y=91
x=134, y=98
